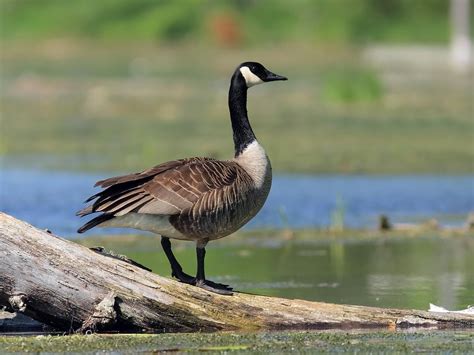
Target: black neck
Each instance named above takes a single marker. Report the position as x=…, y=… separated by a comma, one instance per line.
x=243, y=134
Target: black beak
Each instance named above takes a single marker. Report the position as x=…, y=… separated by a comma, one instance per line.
x=274, y=77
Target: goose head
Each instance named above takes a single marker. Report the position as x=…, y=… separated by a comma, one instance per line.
x=254, y=73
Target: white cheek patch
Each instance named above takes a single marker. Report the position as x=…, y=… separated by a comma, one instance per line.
x=250, y=78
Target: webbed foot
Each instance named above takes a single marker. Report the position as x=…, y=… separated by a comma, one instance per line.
x=183, y=277
x=215, y=287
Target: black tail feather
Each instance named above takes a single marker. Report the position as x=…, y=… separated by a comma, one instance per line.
x=85, y=211
x=95, y=221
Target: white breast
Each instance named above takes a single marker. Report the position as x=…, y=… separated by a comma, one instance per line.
x=255, y=162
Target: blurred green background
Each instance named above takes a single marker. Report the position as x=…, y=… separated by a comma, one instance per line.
x=122, y=85
x=254, y=22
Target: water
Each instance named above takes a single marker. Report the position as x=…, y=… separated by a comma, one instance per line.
x=400, y=273
x=49, y=199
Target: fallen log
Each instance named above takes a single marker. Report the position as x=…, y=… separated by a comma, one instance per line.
x=72, y=288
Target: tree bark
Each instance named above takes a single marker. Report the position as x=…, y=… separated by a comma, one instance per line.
x=72, y=288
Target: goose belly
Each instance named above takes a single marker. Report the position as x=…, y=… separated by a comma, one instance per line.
x=222, y=221
x=158, y=224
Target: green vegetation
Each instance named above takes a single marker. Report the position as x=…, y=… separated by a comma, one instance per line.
x=128, y=106
x=340, y=341
x=351, y=86
x=243, y=20
x=337, y=215
x=122, y=85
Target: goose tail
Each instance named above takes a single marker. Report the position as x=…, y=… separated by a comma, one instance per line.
x=94, y=222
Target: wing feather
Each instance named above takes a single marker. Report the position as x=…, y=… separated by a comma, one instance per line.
x=195, y=185
x=134, y=205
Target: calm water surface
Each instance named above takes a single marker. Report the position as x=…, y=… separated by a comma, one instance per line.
x=405, y=273
x=49, y=199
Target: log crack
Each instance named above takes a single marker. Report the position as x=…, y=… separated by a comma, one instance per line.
x=104, y=316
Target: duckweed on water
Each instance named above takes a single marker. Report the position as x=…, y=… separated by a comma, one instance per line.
x=426, y=341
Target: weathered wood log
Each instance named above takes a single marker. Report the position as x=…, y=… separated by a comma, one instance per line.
x=72, y=288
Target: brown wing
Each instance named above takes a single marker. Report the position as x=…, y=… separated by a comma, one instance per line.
x=166, y=189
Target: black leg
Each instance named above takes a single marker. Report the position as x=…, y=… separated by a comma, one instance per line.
x=200, y=254
x=176, y=269
x=201, y=277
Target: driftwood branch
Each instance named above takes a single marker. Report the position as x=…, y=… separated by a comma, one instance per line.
x=72, y=288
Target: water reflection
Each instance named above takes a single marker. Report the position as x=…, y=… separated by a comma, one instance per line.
x=405, y=273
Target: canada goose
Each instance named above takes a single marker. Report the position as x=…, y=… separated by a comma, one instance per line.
x=198, y=199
